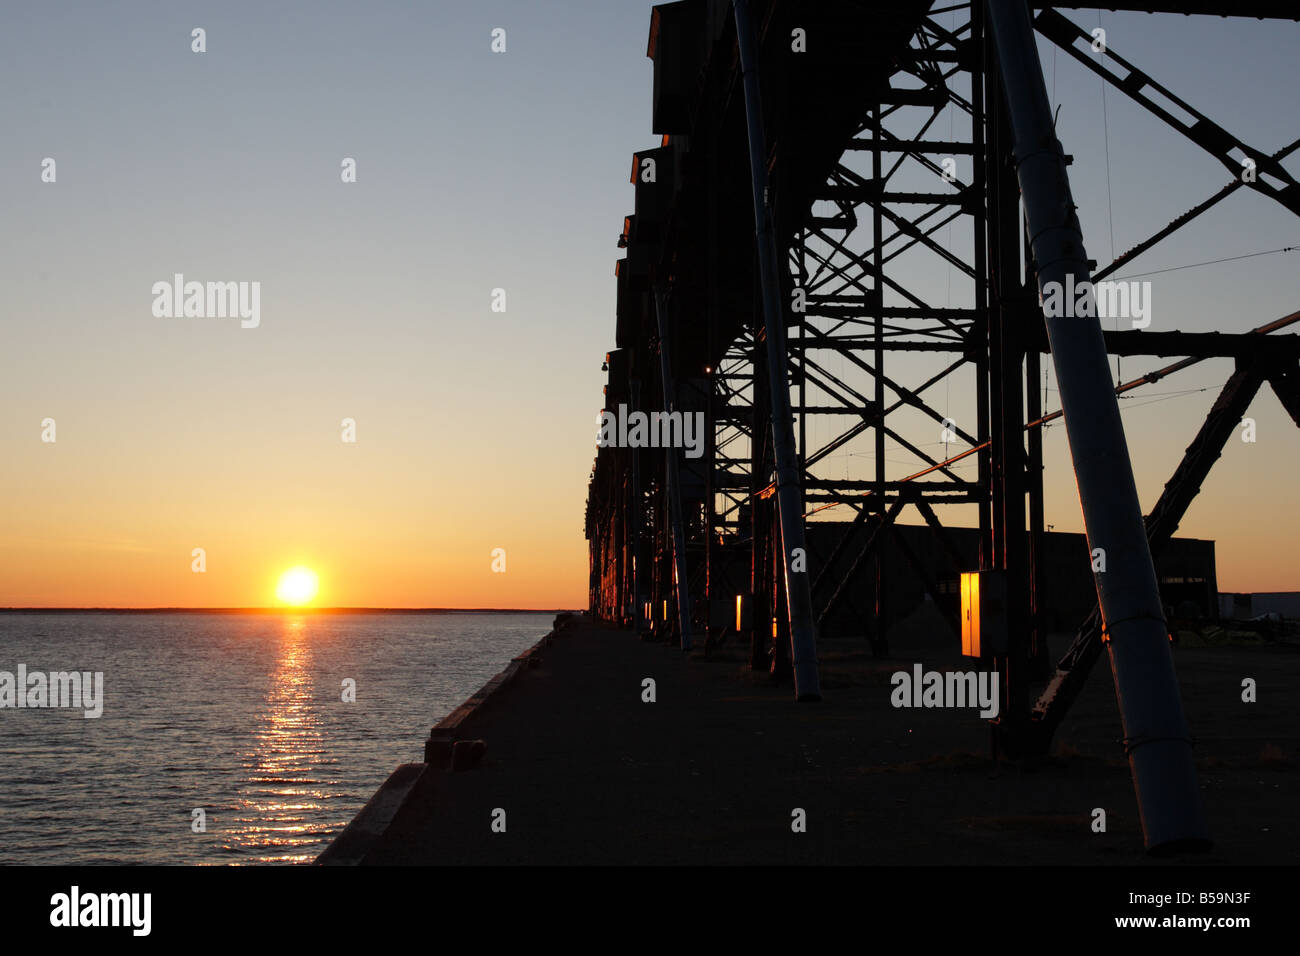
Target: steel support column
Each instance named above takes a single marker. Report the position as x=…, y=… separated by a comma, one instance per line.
x=673, y=476
x=803, y=641
x=1155, y=729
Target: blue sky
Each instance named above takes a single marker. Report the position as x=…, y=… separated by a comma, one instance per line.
x=475, y=171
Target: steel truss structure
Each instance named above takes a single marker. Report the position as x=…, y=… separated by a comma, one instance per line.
x=884, y=154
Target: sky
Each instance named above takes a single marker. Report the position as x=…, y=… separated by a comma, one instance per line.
x=476, y=171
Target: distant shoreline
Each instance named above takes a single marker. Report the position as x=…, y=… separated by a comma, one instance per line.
x=279, y=610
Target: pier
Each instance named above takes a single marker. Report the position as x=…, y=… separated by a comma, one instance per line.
x=712, y=772
x=772, y=597
x=802, y=182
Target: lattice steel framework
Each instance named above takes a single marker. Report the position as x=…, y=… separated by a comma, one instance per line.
x=921, y=184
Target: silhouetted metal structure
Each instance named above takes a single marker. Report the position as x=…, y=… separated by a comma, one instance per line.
x=862, y=190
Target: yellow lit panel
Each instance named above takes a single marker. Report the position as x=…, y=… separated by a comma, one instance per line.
x=970, y=614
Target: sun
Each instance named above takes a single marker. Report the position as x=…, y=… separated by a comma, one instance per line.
x=297, y=586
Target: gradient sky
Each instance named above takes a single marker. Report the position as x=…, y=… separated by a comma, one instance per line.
x=476, y=171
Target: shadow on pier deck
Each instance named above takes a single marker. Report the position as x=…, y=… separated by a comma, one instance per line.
x=711, y=772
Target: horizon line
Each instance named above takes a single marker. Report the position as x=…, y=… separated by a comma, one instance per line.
x=272, y=609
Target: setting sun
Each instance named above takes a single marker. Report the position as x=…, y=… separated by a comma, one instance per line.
x=297, y=586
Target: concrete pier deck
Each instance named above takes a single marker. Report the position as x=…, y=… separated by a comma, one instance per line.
x=712, y=771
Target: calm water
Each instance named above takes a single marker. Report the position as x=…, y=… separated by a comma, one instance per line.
x=238, y=714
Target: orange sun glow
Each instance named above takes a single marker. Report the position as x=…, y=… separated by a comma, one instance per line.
x=297, y=586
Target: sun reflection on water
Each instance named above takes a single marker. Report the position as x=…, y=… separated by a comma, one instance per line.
x=286, y=783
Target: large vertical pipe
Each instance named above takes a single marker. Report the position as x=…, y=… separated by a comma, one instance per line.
x=672, y=469
x=1006, y=319
x=803, y=639
x=1155, y=730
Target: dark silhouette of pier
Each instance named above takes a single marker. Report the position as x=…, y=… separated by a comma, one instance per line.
x=712, y=771
x=759, y=288
x=773, y=305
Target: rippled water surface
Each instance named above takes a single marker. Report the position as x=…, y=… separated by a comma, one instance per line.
x=240, y=715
